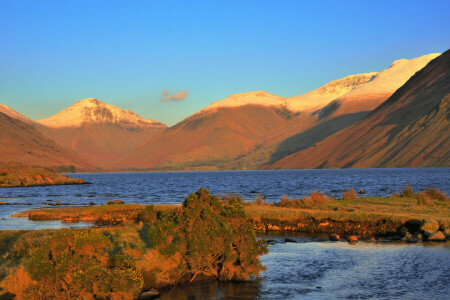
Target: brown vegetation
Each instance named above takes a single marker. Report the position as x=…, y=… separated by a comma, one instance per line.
x=173, y=245
x=19, y=175
x=315, y=198
x=349, y=195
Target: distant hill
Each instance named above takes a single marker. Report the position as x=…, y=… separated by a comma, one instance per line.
x=410, y=129
x=21, y=142
x=98, y=131
x=250, y=130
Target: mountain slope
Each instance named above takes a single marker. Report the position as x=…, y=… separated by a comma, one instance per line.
x=21, y=142
x=252, y=129
x=98, y=131
x=226, y=133
x=15, y=115
x=410, y=129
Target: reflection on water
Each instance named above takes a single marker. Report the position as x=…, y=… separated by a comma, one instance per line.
x=325, y=270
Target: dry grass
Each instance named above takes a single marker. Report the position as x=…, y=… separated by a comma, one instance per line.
x=349, y=195
x=423, y=199
x=315, y=198
x=258, y=201
x=407, y=192
x=434, y=193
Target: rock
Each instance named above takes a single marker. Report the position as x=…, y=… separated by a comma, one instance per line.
x=288, y=240
x=437, y=236
x=362, y=191
x=372, y=239
x=413, y=240
x=2, y=203
x=446, y=231
x=352, y=239
x=149, y=294
x=334, y=237
x=430, y=225
x=58, y=203
x=110, y=202
x=403, y=231
x=91, y=203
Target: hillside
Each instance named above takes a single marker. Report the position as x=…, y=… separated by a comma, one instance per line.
x=249, y=130
x=21, y=142
x=98, y=131
x=410, y=129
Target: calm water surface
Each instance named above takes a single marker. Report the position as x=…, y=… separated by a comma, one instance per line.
x=325, y=270
x=172, y=187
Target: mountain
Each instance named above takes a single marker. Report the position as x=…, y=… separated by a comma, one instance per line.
x=22, y=142
x=15, y=115
x=98, y=131
x=410, y=129
x=257, y=128
x=238, y=132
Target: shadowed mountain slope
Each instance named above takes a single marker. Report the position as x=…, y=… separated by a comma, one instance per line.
x=21, y=142
x=208, y=140
x=98, y=131
x=410, y=129
x=249, y=130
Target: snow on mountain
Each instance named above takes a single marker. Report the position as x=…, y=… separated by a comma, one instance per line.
x=94, y=111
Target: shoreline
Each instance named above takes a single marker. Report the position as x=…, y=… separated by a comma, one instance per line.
x=366, y=217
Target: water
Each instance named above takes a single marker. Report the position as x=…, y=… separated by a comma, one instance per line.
x=325, y=270
x=304, y=270
x=172, y=187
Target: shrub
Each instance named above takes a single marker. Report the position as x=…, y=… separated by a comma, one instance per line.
x=407, y=192
x=423, y=199
x=349, y=195
x=434, y=193
x=315, y=198
x=78, y=264
x=207, y=238
x=259, y=201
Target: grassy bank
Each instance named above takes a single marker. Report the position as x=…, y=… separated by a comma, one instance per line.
x=366, y=216
x=158, y=247
x=19, y=175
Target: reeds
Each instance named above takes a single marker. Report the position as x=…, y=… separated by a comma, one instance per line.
x=315, y=198
x=407, y=192
x=349, y=195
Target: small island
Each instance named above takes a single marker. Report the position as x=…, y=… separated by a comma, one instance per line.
x=20, y=175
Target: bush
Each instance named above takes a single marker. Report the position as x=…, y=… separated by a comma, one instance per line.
x=349, y=195
x=259, y=201
x=75, y=264
x=407, y=192
x=208, y=238
x=315, y=198
x=423, y=199
x=434, y=193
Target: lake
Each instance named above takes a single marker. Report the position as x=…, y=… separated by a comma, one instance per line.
x=338, y=270
x=305, y=270
x=172, y=187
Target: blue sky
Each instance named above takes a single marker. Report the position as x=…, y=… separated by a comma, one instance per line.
x=127, y=53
